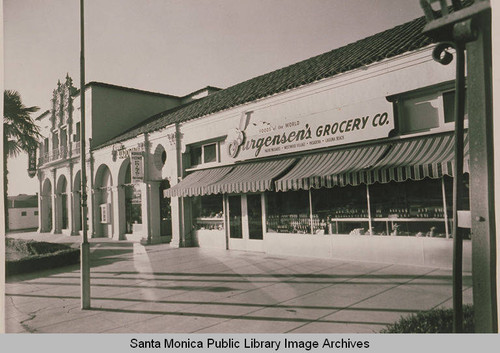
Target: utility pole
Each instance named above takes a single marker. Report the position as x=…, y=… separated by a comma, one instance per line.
x=468, y=28
x=85, y=246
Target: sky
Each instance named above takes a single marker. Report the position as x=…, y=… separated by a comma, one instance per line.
x=174, y=46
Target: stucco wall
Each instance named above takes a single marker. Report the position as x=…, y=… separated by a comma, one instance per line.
x=115, y=110
x=210, y=239
x=431, y=252
x=17, y=221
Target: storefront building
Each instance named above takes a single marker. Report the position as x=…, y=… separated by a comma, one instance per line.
x=116, y=202
x=357, y=167
x=346, y=155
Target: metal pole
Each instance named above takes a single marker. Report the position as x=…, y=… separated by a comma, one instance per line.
x=458, y=188
x=482, y=141
x=311, y=212
x=85, y=246
x=369, y=210
x=445, y=210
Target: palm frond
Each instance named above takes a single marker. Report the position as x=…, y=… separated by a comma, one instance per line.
x=20, y=131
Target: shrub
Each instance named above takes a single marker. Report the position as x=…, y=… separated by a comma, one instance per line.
x=432, y=321
x=32, y=247
x=38, y=256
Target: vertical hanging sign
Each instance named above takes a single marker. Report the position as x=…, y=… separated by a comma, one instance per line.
x=32, y=162
x=136, y=167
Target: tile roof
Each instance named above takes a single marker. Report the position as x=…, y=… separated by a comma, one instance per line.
x=22, y=201
x=392, y=42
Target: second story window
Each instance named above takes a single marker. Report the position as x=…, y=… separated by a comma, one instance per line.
x=426, y=109
x=55, y=140
x=77, y=132
x=207, y=153
x=419, y=113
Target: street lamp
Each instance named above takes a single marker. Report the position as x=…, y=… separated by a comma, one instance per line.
x=468, y=28
x=85, y=246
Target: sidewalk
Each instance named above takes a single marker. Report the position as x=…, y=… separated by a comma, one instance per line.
x=158, y=289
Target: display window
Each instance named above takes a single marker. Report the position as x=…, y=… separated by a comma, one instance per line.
x=340, y=210
x=412, y=208
x=208, y=212
x=288, y=212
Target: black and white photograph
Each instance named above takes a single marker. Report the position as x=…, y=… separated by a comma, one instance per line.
x=249, y=174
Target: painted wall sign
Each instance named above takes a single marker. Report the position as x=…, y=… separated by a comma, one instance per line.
x=136, y=167
x=123, y=152
x=353, y=123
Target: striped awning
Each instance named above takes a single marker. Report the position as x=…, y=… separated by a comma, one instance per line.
x=343, y=167
x=197, y=183
x=416, y=159
x=251, y=177
x=412, y=159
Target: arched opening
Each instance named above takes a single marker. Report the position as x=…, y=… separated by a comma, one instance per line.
x=62, y=203
x=103, y=214
x=46, y=207
x=165, y=210
x=77, y=203
x=132, y=198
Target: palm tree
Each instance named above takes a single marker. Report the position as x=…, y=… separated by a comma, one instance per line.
x=20, y=134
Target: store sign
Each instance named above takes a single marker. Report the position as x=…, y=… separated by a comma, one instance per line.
x=122, y=152
x=136, y=167
x=32, y=162
x=256, y=137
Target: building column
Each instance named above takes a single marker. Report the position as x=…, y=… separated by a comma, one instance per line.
x=144, y=209
x=40, y=200
x=93, y=213
x=71, y=200
x=53, y=200
x=40, y=212
x=111, y=231
x=69, y=210
x=153, y=196
x=177, y=221
x=118, y=210
x=56, y=213
x=76, y=214
x=92, y=221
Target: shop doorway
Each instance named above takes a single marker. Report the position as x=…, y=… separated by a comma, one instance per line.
x=46, y=207
x=165, y=210
x=62, y=204
x=245, y=222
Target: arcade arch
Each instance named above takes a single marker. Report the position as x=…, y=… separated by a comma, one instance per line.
x=103, y=215
x=131, y=198
x=46, y=207
x=61, y=204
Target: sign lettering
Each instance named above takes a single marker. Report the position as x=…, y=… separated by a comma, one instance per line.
x=136, y=167
x=348, y=124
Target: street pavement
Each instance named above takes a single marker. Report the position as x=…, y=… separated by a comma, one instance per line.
x=160, y=289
